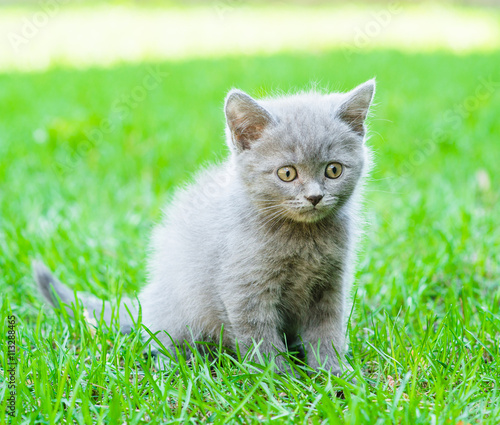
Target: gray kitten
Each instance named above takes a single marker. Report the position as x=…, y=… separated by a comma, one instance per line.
x=264, y=244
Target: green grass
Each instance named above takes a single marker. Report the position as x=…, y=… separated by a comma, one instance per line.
x=426, y=324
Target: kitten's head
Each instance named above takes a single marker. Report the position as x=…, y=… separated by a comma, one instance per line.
x=299, y=156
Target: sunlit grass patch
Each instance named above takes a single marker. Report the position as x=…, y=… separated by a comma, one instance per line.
x=40, y=37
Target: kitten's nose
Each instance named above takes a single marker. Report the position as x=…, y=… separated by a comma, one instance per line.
x=314, y=199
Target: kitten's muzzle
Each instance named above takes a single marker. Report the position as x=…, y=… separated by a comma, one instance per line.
x=314, y=199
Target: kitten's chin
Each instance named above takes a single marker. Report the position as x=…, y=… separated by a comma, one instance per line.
x=311, y=215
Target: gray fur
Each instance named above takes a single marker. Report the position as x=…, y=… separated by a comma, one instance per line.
x=56, y=293
x=242, y=249
x=238, y=248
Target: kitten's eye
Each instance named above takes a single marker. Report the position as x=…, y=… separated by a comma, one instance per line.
x=333, y=170
x=287, y=174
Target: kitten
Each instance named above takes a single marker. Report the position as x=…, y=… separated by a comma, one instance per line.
x=264, y=244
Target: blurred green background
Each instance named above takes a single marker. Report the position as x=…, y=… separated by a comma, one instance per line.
x=106, y=107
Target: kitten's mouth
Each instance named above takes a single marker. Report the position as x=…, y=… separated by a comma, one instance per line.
x=309, y=214
x=314, y=211
x=306, y=212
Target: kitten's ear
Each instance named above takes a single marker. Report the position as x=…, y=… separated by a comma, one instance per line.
x=354, y=109
x=246, y=119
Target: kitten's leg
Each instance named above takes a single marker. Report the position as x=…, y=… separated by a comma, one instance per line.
x=325, y=326
x=255, y=318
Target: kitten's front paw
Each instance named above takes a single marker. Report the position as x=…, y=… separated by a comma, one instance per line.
x=343, y=371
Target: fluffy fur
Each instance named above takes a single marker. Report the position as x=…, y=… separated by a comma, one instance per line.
x=269, y=260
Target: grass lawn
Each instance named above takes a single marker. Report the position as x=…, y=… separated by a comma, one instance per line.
x=88, y=158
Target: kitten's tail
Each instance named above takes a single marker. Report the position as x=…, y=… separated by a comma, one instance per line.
x=59, y=296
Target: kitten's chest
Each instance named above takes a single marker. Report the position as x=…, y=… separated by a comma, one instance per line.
x=291, y=263
x=299, y=280
x=297, y=269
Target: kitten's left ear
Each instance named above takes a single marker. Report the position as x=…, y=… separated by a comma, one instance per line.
x=246, y=119
x=354, y=109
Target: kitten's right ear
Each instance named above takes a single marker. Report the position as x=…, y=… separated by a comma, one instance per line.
x=246, y=119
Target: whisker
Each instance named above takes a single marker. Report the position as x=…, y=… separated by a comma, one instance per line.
x=280, y=218
x=268, y=207
x=269, y=219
